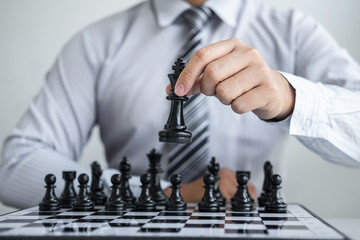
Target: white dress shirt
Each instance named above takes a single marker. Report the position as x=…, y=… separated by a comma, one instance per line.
x=113, y=74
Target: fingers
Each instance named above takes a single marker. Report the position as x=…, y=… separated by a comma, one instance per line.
x=221, y=69
x=193, y=191
x=194, y=90
x=256, y=99
x=195, y=67
x=167, y=192
x=236, y=85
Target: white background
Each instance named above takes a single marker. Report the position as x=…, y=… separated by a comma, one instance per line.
x=33, y=32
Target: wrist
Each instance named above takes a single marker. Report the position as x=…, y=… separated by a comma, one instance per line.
x=288, y=102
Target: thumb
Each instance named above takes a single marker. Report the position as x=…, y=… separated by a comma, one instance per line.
x=186, y=80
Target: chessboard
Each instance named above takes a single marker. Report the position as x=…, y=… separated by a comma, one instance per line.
x=296, y=223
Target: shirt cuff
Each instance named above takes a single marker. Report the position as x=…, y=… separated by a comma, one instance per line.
x=309, y=117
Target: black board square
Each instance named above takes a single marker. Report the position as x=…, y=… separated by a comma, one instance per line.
x=159, y=230
x=204, y=226
x=245, y=231
x=242, y=222
x=175, y=213
x=207, y=218
x=233, y=214
x=279, y=219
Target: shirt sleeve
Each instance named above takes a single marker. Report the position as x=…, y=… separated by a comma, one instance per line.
x=327, y=105
x=51, y=134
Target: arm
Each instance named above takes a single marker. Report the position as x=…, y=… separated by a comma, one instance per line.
x=51, y=134
x=327, y=109
x=321, y=108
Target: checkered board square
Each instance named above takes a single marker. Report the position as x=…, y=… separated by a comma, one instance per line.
x=297, y=223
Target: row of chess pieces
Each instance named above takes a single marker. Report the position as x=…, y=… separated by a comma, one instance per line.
x=152, y=195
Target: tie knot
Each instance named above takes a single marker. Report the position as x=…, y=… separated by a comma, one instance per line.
x=196, y=17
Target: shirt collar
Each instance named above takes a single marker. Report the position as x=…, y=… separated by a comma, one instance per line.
x=167, y=11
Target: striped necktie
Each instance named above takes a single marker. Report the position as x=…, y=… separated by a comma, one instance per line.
x=190, y=160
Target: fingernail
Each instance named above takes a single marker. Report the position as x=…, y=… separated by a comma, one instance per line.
x=180, y=89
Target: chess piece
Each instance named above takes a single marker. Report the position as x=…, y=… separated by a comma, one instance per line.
x=115, y=201
x=125, y=190
x=68, y=195
x=145, y=202
x=214, y=168
x=83, y=201
x=175, y=129
x=248, y=175
x=208, y=202
x=176, y=202
x=50, y=202
x=156, y=192
x=242, y=201
x=267, y=187
x=97, y=194
x=276, y=203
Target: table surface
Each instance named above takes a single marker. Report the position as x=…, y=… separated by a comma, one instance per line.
x=348, y=226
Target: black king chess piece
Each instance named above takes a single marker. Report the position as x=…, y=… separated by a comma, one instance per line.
x=50, y=201
x=156, y=192
x=175, y=130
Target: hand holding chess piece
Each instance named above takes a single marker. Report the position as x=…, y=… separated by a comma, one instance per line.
x=238, y=76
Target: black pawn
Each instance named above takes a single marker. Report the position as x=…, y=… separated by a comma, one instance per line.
x=242, y=201
x=267, y=186
x=214, y=168
x=83, y=201
x=176, y=202
x=68, y=195
x=115, y=201
x=156, y=192
x=208, y=202
x=50, y=201
x=145, y=202
x=248, y=175
x=125, y=190
x=276, y=203
x=97, y=194
x=175, y=129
